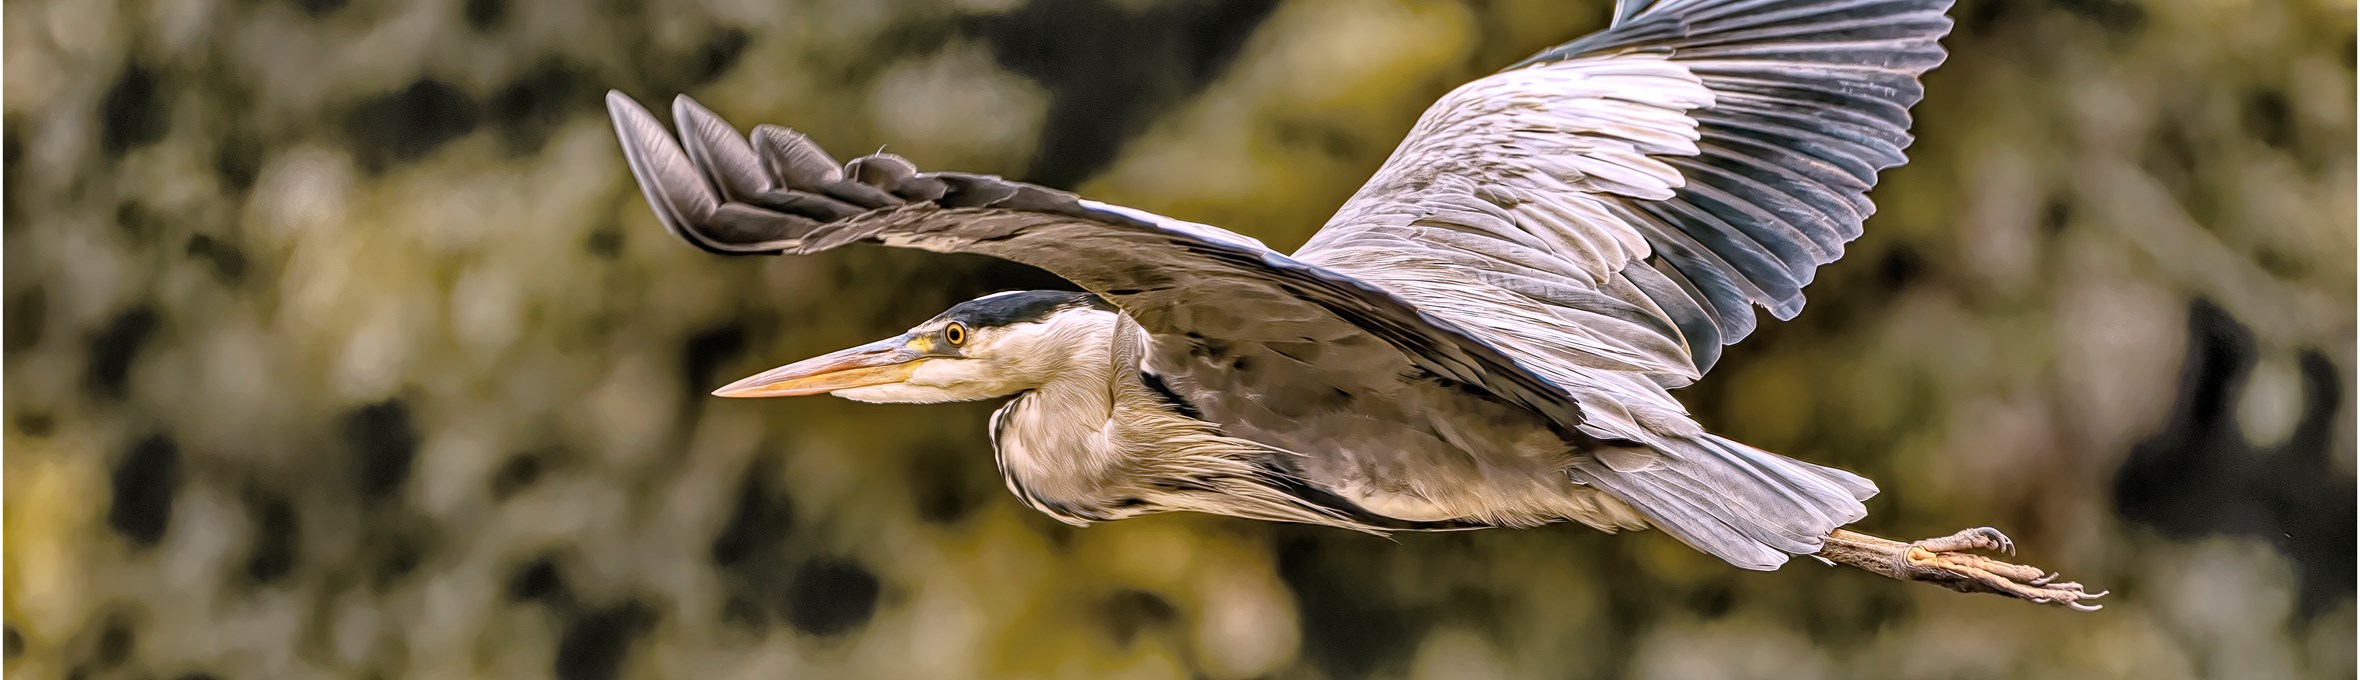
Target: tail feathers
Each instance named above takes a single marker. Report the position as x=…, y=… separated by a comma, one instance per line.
x=1750, y=507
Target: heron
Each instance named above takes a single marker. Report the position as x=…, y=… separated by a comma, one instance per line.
x=1486, y=334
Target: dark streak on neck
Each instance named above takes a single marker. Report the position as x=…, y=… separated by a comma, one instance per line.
x=1155, y=383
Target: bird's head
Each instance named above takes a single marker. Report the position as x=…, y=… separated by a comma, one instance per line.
x=992, y=346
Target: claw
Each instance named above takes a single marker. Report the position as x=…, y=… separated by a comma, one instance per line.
x=1951, y=562
x=2006, y=545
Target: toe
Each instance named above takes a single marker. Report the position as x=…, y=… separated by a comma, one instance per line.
x=1980, y=538
x=1978, y=574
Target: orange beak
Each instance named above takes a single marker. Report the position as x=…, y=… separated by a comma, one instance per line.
x=878, y=363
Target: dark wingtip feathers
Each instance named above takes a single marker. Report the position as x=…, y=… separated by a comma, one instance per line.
x=881, y=170
x=1813, y=102
x=771, y=192
x=679, y=198
x=718, y=151
x=795, y=159
x=681, y=189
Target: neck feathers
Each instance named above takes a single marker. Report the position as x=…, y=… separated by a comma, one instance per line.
x=1098, y=442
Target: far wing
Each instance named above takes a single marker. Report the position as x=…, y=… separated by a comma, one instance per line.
x=1622, y=201
x=782, y=194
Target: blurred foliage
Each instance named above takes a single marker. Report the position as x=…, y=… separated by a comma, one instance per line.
x=339, y=344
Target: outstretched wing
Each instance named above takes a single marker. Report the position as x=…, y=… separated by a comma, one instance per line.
x=1624, y=200
x=779, y=193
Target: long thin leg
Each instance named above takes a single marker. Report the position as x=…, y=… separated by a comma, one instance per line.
x=1943, y=562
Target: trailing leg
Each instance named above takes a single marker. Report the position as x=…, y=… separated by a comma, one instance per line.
x=1945, y=562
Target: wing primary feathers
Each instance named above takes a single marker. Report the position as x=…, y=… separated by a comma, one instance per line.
x=968, y=191
x=882, y=170
x=794, y=162
x=719, y=152
x=791, y=157
x=921, y=189
x=1733, y=142
x=814, y=206
x=680, y=197
x=1625, y=9
x=744, y=229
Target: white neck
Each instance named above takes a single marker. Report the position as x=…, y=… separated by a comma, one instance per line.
x=1095, y=443
x=1057, y=444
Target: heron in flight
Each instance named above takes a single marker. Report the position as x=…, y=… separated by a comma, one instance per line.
x=1485, y=335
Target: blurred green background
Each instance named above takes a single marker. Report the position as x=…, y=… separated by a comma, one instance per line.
x=340, y=344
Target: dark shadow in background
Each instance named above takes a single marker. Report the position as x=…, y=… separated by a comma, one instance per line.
x=2199, y=476
x=1112, y=71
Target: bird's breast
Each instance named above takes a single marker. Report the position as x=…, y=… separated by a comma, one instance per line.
x=1050, y=455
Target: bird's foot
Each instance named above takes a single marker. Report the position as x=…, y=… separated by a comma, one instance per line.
x=1945, y=562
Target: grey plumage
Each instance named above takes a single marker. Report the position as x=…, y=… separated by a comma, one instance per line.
x=1484, y=335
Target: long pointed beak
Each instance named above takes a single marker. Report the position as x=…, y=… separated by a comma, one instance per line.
x=878, y=363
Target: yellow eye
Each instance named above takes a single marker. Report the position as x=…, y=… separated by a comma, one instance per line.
x=956, y=333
